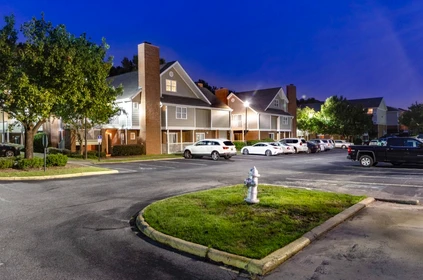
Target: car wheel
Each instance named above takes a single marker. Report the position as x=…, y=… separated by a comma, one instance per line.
x=344, y=147
x=308, y=151
x=187, y=154
x=10, y=154
x=268, y=153
x=366, y=161
x=215, y=155
x=245, y=152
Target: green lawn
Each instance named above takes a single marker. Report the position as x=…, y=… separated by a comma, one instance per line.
x=221, y=219
x=49, y=171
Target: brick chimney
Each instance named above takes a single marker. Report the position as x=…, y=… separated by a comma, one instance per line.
x=222, y=94
x=291, y=93
x=149, y=81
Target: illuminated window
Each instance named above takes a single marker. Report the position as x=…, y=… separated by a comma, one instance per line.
x=237, y=120
x=370, y=111
x=132, y=135
x=171, y=85
x=181, y=113
x=276, y=103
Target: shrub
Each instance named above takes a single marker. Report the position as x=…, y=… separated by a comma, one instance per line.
x=76, y=155
x=38, y=143
x=56, y=160
x=6, y=163
x=239, y=145
x=94, y=154
x=358, y=141
x=24, y=163
x=127, y=150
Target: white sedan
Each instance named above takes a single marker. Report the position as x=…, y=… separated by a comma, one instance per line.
x=342, y=144
x=262, y=148
x=286, y=149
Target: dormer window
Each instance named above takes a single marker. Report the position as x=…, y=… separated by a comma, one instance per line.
x=170, y=85
x=276, y=103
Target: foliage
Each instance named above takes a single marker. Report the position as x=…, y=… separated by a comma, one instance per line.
x=26, y=163
x=128, y=66
x=306, y=120
x=358, y=141
x=38, y=143
x=308, y=101
x=252, y=142
x=56, y=160
x=239, y=145
x=6, y=163
x=413, y=118
x=54, y=151
x=127, y=150
x=338, y=116
x=221, y=219
x=51, y=73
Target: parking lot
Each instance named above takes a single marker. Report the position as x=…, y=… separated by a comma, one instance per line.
x=47, y=228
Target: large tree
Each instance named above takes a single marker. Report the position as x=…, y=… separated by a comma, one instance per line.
x=338, y=116
x=306, y=120
x=413, y=118
x=51, y=73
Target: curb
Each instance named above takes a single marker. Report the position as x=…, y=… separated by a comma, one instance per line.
x=262, y=266
x=399, y=201
x=33, y=178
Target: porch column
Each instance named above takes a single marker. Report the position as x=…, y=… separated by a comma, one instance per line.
x=167, y=142
x=181, y=142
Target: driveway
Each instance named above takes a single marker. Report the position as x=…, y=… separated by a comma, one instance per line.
x=80, y=228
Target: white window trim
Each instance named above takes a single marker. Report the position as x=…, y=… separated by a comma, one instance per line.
x=200, y=136
x=285, y=120
x=276, y=103
x=132, y=135
x=170, y=85
x=182, y=115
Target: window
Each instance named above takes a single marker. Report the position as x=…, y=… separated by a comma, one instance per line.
x=276, y=103
x=170, y=85
x=271, y=135
x=199, y=136
x=284, y=120
x=132, y=135
x=173, y=137
x=370, y=111
x=135, y=105
x=237, y=120
x=122, y=138
x=181, y=113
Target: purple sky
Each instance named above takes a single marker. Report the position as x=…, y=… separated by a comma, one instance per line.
x=356, y=49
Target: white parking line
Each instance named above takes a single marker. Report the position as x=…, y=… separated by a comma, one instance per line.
x=155, y=166
x=354, y=182
x=183, y=162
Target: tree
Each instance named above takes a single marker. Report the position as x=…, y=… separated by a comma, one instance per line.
x=128, y=66
x=306, y=120
x=338, y=116
x=206, y=85
x=413, y=118
x=52, y=73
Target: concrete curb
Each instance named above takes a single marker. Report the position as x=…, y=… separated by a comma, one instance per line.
x=254, y=266
x=61, y=176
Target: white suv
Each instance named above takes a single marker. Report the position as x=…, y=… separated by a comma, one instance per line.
x=299, y=144
x=215, y=148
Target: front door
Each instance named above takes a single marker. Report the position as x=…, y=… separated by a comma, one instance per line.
x=109, y=143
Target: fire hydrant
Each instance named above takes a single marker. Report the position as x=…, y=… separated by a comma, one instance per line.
x=252, y=182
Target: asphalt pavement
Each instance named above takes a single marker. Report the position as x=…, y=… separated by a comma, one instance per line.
x=80, y=228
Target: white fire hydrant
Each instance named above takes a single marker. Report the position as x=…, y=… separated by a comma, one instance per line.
x=252, y=182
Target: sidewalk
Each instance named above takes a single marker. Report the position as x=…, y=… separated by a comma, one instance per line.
x=383, y=241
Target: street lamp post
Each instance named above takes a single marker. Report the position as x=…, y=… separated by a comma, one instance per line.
x=246, y=105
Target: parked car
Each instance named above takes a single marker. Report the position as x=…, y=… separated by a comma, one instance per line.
x=299, y=144
x=328, y=144
x=286, y=148
x=342, y=144
x=420, y=137
x=313, y=147
x=262, y=148
x=322, y=145
x=215, y=148
x=7, y=150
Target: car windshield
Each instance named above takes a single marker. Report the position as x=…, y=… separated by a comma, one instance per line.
x=228, y=143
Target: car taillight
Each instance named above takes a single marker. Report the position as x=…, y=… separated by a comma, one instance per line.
x=225, y=148
x=349, y=150
x=301, y=143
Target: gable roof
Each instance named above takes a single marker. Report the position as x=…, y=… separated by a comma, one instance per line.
x=129, y=81
x=260, y=99
x=215, y=102
x=164, y=67
x=367, y=102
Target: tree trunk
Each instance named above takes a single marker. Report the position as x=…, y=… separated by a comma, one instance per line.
x=29, y=142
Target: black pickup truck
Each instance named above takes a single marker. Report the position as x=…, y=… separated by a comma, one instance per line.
x=397, y=150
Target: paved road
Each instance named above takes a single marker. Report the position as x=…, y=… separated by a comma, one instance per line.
x=80, y=228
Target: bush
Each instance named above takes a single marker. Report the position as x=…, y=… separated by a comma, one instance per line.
x=127, y=150
x=94, y=154
x=24, y=163
x=53, y=151
x=358, y=141
x=239, y=145
x=38, y=143
x=6, y=163
x=56, y=160
x=76, y=155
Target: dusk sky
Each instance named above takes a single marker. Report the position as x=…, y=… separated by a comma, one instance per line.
x=357, y=49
